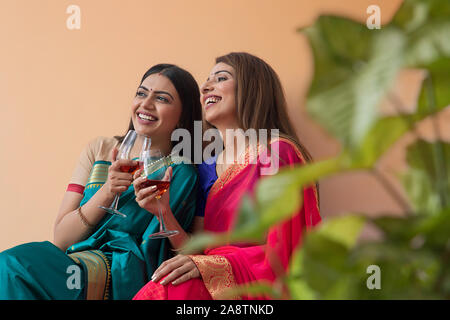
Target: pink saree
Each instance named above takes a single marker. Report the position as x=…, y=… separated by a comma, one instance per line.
x=225, y=267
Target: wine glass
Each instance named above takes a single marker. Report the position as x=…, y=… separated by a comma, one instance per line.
x=132, y=142
x=155, y=167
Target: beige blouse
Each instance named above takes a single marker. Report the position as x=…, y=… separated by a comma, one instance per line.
x=98, y=149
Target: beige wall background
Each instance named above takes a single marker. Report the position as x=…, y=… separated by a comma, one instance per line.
x=60, y=88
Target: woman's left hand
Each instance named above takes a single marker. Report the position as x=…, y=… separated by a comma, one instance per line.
x=178, y=270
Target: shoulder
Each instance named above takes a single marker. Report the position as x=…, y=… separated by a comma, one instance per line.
x=278, y=153
x=207, y=166
x=100, y=148
x=103, y=142
x=207, y=173
x=288, y=149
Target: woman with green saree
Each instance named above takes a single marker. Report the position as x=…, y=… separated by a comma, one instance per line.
x=96, y=255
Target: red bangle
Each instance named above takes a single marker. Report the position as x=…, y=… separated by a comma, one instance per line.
x=73, y=187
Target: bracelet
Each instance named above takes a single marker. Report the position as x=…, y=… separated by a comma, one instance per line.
x=84, y=220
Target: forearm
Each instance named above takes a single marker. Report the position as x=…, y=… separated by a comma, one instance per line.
x=71, y=229
x=172, y=223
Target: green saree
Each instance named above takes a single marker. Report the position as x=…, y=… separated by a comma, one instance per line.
x=113, y=263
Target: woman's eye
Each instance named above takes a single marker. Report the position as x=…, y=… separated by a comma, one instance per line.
x=140, y=94
x=162, y=99
x=221, y=79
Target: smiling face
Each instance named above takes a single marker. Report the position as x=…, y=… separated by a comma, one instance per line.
x=156, y=109
x=218, y=97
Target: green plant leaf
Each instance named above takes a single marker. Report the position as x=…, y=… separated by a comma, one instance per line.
x=323, y=262
x=411, y=15
x=299, y=289
x=433, y=229
x=340, y=48
x=202, y=240
x=428, y=48
x=437, y=9
x=414, y=14
x=278, y=196
x=383, y=134
x=248, y=225
x=428, y=44
x=344, y=230
x=348, y=106
x=320, y=268
x=428, y=180
x=398, y=228
x=326, y=268
x=417, y=231
x=420, y=190
x=405, y=273
x=436, y=85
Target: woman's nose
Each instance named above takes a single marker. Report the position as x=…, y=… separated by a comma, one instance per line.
x=148, y=103
x=206, y=87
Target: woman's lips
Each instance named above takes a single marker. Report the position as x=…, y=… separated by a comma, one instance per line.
x=211, y=100
x=145, y=118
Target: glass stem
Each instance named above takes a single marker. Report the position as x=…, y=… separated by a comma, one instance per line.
x=162, y=227
x=115, y=202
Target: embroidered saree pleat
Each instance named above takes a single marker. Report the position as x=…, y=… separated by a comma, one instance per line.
x=98, y=272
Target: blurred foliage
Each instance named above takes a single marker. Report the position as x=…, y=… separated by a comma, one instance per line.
x=355, y=69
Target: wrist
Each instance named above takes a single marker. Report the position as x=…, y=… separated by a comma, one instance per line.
x=106, y=193
x=166, y=213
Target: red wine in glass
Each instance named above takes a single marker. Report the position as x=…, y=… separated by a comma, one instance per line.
x=132, y=169
x=161, y=186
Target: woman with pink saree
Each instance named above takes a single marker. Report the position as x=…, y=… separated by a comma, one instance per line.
x=241, y=93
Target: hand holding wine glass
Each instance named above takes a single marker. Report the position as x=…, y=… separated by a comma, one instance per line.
x=121, y=170
x=146, y=192
x=118, y=181
x=152, y=183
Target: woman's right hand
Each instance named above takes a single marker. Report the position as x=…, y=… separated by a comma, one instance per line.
x=146, y=197
x=118, y=181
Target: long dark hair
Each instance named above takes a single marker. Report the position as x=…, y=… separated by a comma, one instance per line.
x=188, y=92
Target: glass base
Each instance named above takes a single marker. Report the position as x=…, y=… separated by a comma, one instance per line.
x=163, y=234
x=113, y=211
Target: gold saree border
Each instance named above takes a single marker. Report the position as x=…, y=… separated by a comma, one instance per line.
x=217, y=275
x=98, y=176
x=233, y=170
x=98, y=273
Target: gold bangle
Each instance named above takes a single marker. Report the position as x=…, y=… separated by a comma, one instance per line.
x=84, y=220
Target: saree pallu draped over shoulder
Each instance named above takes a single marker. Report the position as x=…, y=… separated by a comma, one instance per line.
x=227, y=266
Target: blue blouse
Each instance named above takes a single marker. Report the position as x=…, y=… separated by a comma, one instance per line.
x=206, y=176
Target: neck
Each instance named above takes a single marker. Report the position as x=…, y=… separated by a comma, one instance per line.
x=164, y=146
x=235, y=143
